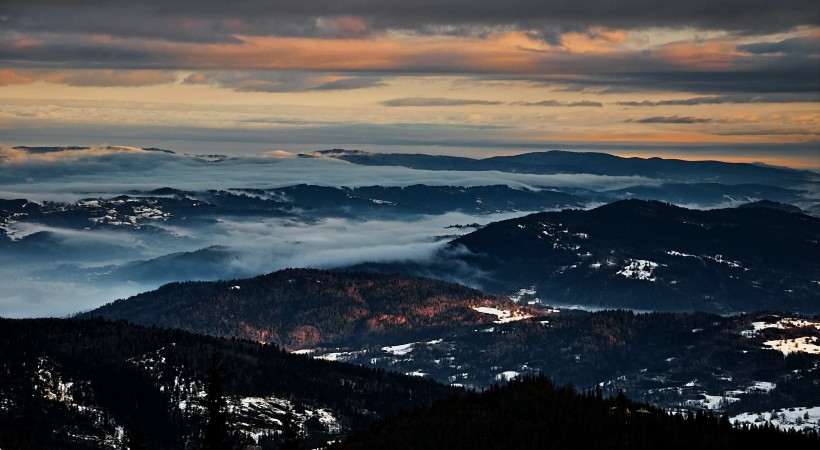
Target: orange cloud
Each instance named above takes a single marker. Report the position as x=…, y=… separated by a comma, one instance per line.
x=502, y=53
x=805, y=119
x=709, y=56
x=596, y=40
x=676, y=137
x=8, y=77
x=111, y=78
x=25, y=43
x=87, y=78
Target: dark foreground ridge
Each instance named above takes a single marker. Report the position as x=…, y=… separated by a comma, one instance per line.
x=96, y=384
x=534, y=413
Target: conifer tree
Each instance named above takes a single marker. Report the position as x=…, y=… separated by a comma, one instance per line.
x=290, y=430
x=215, y=435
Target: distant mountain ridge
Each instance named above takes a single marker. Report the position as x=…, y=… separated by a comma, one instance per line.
x=564, y=162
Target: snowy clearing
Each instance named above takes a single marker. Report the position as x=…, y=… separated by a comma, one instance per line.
x=807, y=344
x=639, y=269
x=504, y=315
x=796, y=418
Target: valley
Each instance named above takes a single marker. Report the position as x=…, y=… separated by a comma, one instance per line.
x=335, y=305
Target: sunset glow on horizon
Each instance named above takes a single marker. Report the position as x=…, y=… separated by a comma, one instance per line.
x=734, y=82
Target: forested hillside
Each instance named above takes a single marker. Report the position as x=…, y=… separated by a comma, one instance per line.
x=300, y=308
x=654, y=256
x=534, y=413
x=92, y=384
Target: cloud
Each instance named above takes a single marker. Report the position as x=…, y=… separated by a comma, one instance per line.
x=24, y=155
x=112, y=78
x=214, y=21
x=720, y=99
x=715, y=66
x=89, y=78
x=283, y=81
x=799, y=46
x=111, y=169
x=232, y=248
x=25, y=296
x=426, y=101
x=344, y=27
x=8, y=77
x=672, y=119
x=557, y=103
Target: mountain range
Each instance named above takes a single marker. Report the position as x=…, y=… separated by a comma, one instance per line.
x=646, y=255
x=461, y=337
x=557, y=161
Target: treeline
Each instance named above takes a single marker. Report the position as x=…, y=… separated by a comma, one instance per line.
x=535, y=413
x=130, y=375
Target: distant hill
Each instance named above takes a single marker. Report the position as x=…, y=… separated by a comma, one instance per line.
x=772, y=205
x=94, y=384
x=645, y=255
x=652, y=255
x=534, y=413
x=302, y=308
x=564, y=162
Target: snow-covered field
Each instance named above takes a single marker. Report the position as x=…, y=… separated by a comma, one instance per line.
x=797, y=418
x=802, y=344
x=806, y=344
x=504, y=315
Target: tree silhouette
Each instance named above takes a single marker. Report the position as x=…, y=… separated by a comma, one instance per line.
x=136, y=439
x=215, y=436
x=290, y=430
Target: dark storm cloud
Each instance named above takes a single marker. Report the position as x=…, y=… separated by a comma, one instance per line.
x=426, y=101
x=799, y=46
x=220, y=21
x=672, y=119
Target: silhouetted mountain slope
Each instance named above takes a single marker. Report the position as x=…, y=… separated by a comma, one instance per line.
x=301, y=308
x=652, y=255
x=536, y=414
x=710, y=195
x=83, y=383
x=772, y=205
x=556, y=161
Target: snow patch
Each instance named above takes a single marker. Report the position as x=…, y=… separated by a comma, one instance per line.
x=518, y=296
x=639, y=269
x=781, y=324
x=504, y=315
x=507, y=375
x=806, y=344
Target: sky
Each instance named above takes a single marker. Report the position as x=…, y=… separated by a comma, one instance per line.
x=731, y=80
